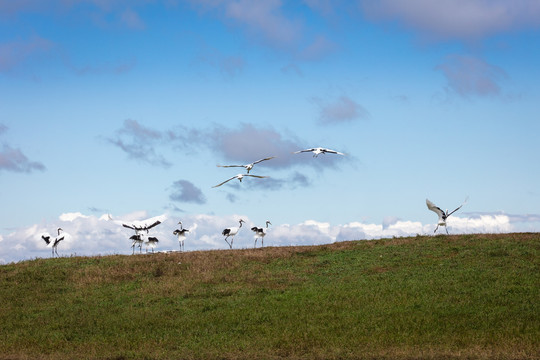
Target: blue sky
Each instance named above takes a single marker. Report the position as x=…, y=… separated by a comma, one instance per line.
x=126, y=107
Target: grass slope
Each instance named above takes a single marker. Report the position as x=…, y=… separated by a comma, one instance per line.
x=465, y=297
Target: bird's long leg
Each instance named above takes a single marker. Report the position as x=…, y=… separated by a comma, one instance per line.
x=446, y=228
x=232, y=240
x=230, y=245
x=262, y=242
x=436, y=228
x=255, y=243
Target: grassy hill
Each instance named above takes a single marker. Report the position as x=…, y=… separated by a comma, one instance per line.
x=449, y=297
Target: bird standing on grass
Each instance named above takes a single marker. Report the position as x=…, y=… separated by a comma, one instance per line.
x=140, y=236
x=442, y=214
x=60, y=237
x=231, y=232
x=151, y=242
x=181, y=235
x=260, y=233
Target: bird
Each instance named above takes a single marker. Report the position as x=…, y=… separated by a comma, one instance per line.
x=260, y=233
x=231, y=232
x=319, y=150
x=442, y=214
x=181, y=235
x=151, y=242
x=248, y=167
x=137, y=240
x=239, y=177
x=60, y=237
x=141, y=233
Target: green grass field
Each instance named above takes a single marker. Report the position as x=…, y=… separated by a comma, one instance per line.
x=442, y=297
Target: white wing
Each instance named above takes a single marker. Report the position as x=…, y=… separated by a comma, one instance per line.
x=227, y=166
x=306, y=150
x=234, y=177
x=431, y=206
x=148, y=223
x=268, y=158
x=459, y=207
x=332, y=151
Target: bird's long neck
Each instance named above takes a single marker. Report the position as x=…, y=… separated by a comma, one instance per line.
x=240, y=224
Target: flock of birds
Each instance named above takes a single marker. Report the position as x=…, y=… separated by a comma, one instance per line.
x=141, y=232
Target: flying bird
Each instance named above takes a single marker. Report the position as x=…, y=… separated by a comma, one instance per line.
x=260, y=233
x=231, y=232
x=60, y=237
x=239, y=177
x=319, y=150
x=248, y=167
x=442, y=214
x=181, y=235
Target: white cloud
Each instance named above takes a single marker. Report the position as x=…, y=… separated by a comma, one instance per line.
x=92, y=235
x=72, y=216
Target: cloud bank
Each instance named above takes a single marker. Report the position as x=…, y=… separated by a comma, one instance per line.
x=90, y=235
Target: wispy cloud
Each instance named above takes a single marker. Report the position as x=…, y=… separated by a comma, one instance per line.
x=293, y=181
x=239, y=145
x=320, y=47
x=456, y=19
x=116, y=68
x=269, y=23
x=233, y=143
x=341, y=110
x=131, y=19
x=14, y=53
x=471, y=76
x=229, y=65
x=101, y=13
x=14, y=160
x=264, y=18
x=185, y=191
x=139, y=143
